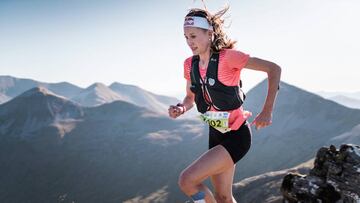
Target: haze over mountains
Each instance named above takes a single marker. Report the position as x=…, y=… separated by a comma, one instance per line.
x=351, y=100
x=346, y=101
x=55, y=149
x=354, y=95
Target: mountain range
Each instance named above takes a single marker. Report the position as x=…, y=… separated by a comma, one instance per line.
x=94, y=95
x=53, y=148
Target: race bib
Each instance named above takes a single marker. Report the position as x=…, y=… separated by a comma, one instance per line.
x=217, y=119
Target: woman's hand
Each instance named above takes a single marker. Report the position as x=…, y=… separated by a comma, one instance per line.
x=262, y=120
x=188, y=102
x=175, y=111
x=274, y=73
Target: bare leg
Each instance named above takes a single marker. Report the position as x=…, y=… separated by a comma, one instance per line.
x=214, y=161
x=223, y=185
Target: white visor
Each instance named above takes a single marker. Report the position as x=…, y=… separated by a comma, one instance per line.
x=196, y=21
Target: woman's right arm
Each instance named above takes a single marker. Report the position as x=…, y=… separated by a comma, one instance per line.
x=187, y=104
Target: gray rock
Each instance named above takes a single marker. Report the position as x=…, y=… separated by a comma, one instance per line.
x=334, y=178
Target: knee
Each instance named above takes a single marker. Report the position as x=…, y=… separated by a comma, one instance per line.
x=186, y=180
x=222, y=198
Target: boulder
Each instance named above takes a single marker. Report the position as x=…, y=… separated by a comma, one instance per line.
x=335, y=178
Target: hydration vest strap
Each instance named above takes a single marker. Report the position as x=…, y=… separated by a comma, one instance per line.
x=212, y=70
x=197, y=80
x=194, y=63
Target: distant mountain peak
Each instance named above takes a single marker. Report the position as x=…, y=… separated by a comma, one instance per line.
x=97, y=94
x=99, y=88
x=97, y=85
x=39, y=97
x=40, y=90
x=118, y=84
x=34, y=110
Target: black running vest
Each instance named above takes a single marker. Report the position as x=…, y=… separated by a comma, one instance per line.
x=210, y=91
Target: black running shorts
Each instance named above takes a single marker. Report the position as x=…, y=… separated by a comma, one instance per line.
x=236, y=142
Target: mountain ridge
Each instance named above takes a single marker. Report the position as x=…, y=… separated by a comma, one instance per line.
x=95, y=94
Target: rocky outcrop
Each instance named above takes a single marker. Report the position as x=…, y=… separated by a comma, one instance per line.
x=334, y=178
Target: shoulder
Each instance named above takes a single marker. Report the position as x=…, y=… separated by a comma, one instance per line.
x=187, y=67
x=231, y=54
x=234, y=58
x=187, y=62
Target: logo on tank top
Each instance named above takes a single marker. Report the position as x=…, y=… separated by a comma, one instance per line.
x=211, y=81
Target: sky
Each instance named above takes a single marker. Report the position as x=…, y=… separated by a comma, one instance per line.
x=142, y=43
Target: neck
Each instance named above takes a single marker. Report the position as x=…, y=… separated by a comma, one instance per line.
x=205, y=56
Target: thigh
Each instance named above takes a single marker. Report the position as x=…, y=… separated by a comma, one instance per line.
x=215, y=137
x=215, y=161
x=238, y=142
x=222, y=182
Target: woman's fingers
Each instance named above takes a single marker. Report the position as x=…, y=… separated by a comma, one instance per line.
x=260, y=123
x=171, y=111
x=174, y=111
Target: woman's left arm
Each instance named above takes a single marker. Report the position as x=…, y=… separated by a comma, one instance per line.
x=274, y=72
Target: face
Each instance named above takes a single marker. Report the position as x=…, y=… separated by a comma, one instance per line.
x=197, y=39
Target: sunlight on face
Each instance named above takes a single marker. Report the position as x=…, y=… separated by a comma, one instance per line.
x=197, y=39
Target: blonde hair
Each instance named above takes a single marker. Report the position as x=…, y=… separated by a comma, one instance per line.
x=220, y=39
